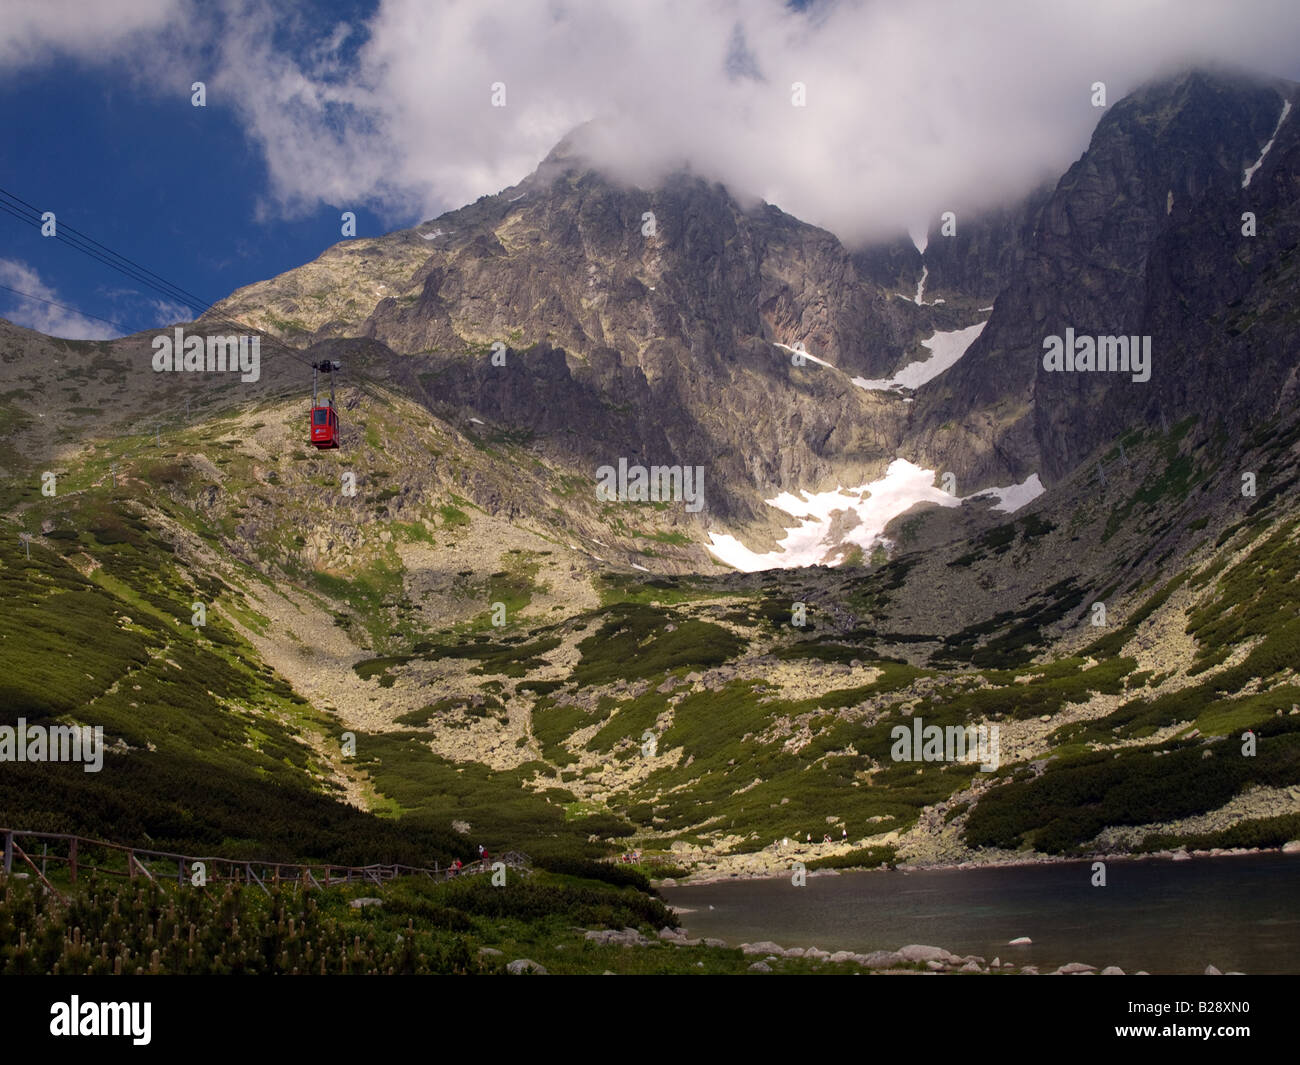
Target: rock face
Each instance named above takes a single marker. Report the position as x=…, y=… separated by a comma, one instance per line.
x=1110, y=256
x=654, y=344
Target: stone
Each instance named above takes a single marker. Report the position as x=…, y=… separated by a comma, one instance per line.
x=628, y=937
x=997, y=963
x=814, y=952
x=490, y=951
x=766, y=946
x=1029, y=970
x=842, y=955
x=882, y=959
x=362, y=903
x=1020, y=941
x=1210, y=970
x=920, y=952
x=935, y=966
x=794, y=952
x=1112, y=970
x=970, y=967
x=526, y=965
x=1291, y=847
x=708, y=942
x=760, y=967
x=1075, y=967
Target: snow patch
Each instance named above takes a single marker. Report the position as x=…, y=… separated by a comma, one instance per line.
x=641, y=568
x=1250, y=171
x=477, y=421
x=874, y=505
x=920, y=286
x=945, y=349
x=806, y=354
x=432, y=236
x=1014, y=496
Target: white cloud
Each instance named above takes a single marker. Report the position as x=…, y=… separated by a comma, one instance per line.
x=41, y=313
x=35, y=31
x=913, y=106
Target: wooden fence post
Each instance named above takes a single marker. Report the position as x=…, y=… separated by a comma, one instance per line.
x=72, y=858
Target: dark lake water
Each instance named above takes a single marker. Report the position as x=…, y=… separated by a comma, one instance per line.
x=1237, y=913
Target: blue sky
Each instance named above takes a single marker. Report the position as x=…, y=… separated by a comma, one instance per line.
x=174, y=187
x=383, y=108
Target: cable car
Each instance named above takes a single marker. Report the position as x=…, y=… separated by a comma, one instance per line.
x=324, y=419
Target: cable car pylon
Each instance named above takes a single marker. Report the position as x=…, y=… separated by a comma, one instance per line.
x=324, y=419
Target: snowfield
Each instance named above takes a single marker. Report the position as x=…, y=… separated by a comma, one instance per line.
x=874, y=506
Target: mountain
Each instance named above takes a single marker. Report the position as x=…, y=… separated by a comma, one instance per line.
x=517, y=658
x=1141, y=237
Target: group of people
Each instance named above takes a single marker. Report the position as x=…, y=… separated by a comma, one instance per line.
x=484, y=858
x=630, y=856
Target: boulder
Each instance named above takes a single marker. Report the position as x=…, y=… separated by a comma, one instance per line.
x=628, y=937
x=920, y=952
x=359, y=904
x=526, y=965
x=760, y=967
x=970, y=967
x=1020, y=941
x=814, y=952
x=843, y=955
x=882, y=959
x=1291, y=847
x=1210, y=970
x=766, y=946
x=1029, y=970
x=1112, y=970
x=714, y=942
x=1075, y=967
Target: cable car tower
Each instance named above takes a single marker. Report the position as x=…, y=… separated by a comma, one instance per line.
x=324, y=419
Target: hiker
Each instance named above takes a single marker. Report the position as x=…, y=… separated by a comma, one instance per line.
x=486, y=857
x=826, y=838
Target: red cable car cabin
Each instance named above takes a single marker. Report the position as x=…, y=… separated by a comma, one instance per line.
x=324, y=427
x=324, y=420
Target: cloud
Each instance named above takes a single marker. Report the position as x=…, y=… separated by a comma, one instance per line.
x=913, y=106
x=38, y=309
x=34, y=32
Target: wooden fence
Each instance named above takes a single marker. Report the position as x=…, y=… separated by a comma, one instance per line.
x=76, y=853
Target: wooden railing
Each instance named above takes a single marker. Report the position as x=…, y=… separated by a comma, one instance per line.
x=76, y=853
